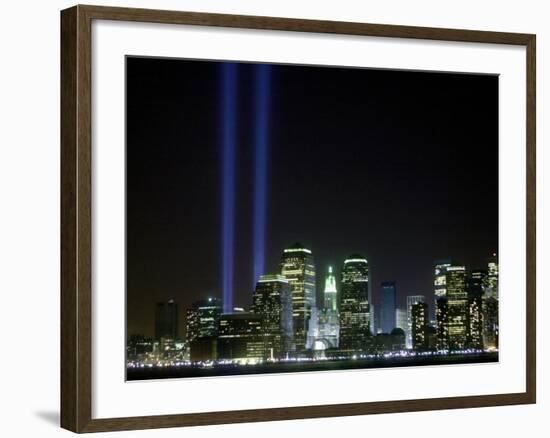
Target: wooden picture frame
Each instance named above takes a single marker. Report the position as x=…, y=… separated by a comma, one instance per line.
x=76, y=218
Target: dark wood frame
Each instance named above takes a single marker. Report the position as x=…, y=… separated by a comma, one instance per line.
x=76, y=174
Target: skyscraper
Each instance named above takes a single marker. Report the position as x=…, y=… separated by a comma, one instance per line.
x=490, y=307
x=298, y=268
x=272, y=300
x=440, y=298
x=166, y=320
x=387, y=306
x=203, y=318
x=490, y=323
x=240, y=337
x=419, y=330
x=457, y=302
x=330, y=292
x=442, y=326
x=328, y=331
x=411, y=301
x=354, y=305
x=451, y=305
x=475, y=285
x=440, y=279
x=492, y=278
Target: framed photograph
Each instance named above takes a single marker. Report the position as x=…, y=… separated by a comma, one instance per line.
x=270, y=218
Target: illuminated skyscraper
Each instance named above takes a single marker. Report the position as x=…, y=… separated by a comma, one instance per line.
x=411, y=301
x=419, y=329
x=490, y=307
x=240, y=337
x=432, y=337
x=330, y=293
x=203, y=318
x=272, y=300
x=202, y=328
x=387, y=306
x=441, y=308
x=442, y=326
x=457, y=302
x=492, y=278
x=440, y=279
x=354, y=305
x=166, y=320
x=298, y=268
x=475, y=286
x=451, y=305
x=490, y=323
x=328, y=329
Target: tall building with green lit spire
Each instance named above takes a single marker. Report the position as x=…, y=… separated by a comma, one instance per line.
x=324, y=332
x=330, y=294
x=329, y=319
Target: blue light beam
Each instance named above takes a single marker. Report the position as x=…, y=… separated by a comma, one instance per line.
x=261, y=149
x=229, y=143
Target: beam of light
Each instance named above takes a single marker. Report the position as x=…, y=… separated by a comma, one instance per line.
x=229, y=91
x=261, y=146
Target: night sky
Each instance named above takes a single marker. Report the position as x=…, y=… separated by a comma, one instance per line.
x=399, y=166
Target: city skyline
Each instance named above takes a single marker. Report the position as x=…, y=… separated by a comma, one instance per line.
x=285, y=329
x=301, y=217
x=332, y=278
x=335, y=271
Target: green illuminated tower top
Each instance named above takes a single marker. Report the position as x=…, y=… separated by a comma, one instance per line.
x=330, y=291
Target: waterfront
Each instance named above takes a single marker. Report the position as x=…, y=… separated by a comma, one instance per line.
x=165, y=372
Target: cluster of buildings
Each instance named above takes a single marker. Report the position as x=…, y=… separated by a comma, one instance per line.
x=286, y=321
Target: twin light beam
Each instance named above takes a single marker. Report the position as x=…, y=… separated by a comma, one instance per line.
x=262, y=104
